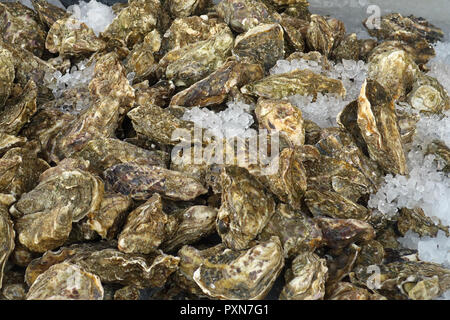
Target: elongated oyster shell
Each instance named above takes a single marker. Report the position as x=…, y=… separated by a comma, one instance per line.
x=263, y=44
x=242, y=15
x=65, y=281
x=416, y=221
x=7, y=74
x=246, y=208
x=70, y=37
x=7, y=235
x=296, y=232
x=428, y=95
x=215, y=88
x=306, y=278
x=146, y=227
x=19, y=111
x=303, y=82
x=140, y=181
x=378, y=124
x=241, y=275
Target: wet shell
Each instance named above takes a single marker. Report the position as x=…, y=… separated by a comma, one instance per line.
x=7, y=74
x=306, y=278
x=48, y=13
x=7, y=236
x=185, y=8
x=65, y=281
x=428, y=95
x=247, y=275
x=348, y=291
x=8, y=142
x=294, y=32
x=321, y=36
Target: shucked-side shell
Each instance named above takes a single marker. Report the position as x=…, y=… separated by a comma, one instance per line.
x=303, y=82
x=241, y=274
x=246, y=208
x=65, y=281
x=263, y=44
x=306, y=278
x=378, y=124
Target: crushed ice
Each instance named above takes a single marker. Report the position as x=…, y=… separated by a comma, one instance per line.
x=95, y=15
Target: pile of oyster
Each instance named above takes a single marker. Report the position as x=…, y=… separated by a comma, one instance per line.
x=93, y=207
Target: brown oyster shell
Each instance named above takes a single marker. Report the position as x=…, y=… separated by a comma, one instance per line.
x=241, y=275
x=140, y=181
x=65, y=281
x=294, y=32
x=185, y=8
x=146, y=227
x=296, y=232
x=263, y=44
x=305, y=280
x=378, y=124
x=416, y=221
x=303, y=82
x=348, y=49
x=428, y=95
x=215, y=88
x=442, y=151
x=7, y=74
x=320, y=35
x=8, y=141
x=348, y=291
x=246, y=208
x=7, y=236
x=48, y=13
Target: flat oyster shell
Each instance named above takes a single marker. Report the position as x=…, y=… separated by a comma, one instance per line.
x=263, y=44
x=7, y=236
x=215, y=88
x=303, y=82
x=428, y=95
x=140, y=181
x=283, y=117
x=18, y=111
x=48, y=13
x=394, y=69
x=106, y=152
x=242, y=15
x=7, y=74
x=245, y=275
x=378, y=124
x=146, y=228
x=296, y=232
x=332, y=204
x=193, y=224
x=70, y=37
x=185, y=8
x=111, y=215
x=193, y=62
x=246, y=208
x=20, y=26
x=65, y=281
x=305, y=280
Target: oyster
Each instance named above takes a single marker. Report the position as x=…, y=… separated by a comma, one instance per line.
x=321, y=35
x=442, y=151
x=108, y=219
x=305, y=280
x=140, y=181
x=128, y=293
x=371, y=253
x=348, y=291
x=428, y=95
x=159, y=94
x=140, y=60
x=416, y=221
x=303, y=82
x=7, y=235
x=64, y=195
x=146, y=227
x=20, y=26
x=106, y=152
x=193, y=224
x=244, y=275
x=339, y=233
x=263, y=44
x=193, y=62
x=378, y=124
x=296, y=232
x=294, y=32
x=7, y=74
x=70, y=37
x=215, y=88
x=395, y=70
x=332, y=204
x=185, y=8
x=48, y=13
x=348, y=49
x=65, y=281
x=242, y=15
x=8, y=141
x=18, y=111
x=246, y=208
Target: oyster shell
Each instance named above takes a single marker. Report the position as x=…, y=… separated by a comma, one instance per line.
x=7, y=74
x=8, y=141
x=242, y=15
x=185, y=8
x=348, y=49
x=294, y=31
x=128, y=293
x=215, y=88
x=296, y=232
x=7, y=236
x=18, y=111
x=48, y=13
x=348, y=291
x=20, y=26
x=305, y=280
x=146, y=227
x=428, y=95
x=416, y=221
x=442, y=151
x=303, y=82
x=65, y=281
x=246, y=208
x=263, y=44
x=140, y=181
x=193, y=62
x=247, y=275
x=378, y=124
x=321, y=35
x=159, y=94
